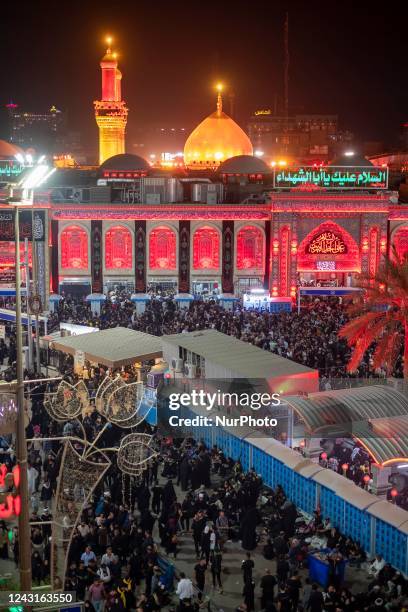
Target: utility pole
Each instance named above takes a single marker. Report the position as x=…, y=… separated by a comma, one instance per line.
x=286, y=79
x=24, y=537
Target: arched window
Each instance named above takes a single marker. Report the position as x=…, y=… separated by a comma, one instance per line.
x=400, y=241
x=250, y=247
x=162, y=249
x=206, y=249
x=118, y=248
x=74, y=248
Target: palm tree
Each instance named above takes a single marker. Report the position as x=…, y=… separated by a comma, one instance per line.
x=380, y=316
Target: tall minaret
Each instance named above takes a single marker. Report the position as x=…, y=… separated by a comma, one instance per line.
x=110, y=112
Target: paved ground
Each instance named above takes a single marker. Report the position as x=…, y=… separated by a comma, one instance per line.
x=232, y=576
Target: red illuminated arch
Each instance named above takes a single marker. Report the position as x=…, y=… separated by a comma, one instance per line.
x=162, y=248
x=206, y=249
x=400, y=241
x=74, y=248
x=345, y=255
x=250, y=248
x=118, y=248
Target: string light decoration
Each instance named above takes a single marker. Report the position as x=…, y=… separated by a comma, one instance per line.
x=83, y=463
x=122, y=405
x=78, y=479
x=68, y=402
x=134, y=454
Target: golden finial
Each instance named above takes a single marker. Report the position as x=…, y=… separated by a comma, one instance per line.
x=219, y=88
x=108, y=41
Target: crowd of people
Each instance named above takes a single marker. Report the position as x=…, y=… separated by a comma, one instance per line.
x=310, y=338
x=193, y=501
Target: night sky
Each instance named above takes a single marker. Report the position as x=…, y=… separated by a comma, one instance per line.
x=345, y=58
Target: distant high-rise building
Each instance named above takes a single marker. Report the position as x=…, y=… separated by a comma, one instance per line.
x=303, y=137
x=111, y=112
x=42, y=131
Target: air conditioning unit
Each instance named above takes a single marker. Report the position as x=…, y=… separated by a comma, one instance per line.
x=190, y=370
x=177, y=365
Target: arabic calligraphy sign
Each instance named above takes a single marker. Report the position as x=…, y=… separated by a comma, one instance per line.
x=332, y=177
x=327, y=243
x=10, y=169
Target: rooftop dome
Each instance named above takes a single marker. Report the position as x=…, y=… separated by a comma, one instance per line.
x=214, y=140
x=244, y=164
x=355, y=160
x=125, y=162
x=8, y=150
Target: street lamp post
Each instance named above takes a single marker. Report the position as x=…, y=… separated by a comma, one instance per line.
x=23, y=519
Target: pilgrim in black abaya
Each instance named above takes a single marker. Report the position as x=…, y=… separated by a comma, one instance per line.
x=248, y=529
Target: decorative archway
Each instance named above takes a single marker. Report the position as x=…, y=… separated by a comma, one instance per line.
x=250, y=248
x=118, y=248
x=74, y=248
x=206, y=248
x=162, y=248
x=329, y=247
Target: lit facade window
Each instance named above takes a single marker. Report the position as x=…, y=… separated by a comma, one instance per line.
x=250, y=248
x=162, y=249
x=400, y=242
x=118, y=248
x=206, y=249
x=74, y=248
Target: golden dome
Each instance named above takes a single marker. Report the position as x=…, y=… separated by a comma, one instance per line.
x=214, y=140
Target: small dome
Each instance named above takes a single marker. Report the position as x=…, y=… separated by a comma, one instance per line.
x=8, y=150
x=125, y=162
x=355, y=160
x=215, y=140
x=244, y=164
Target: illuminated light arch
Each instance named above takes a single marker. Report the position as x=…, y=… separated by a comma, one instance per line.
x=118, y=248
x=162, y=248
x=345, y=255
x=74, y=248
x=250, y=248
x=206, y=248
x=400, y=240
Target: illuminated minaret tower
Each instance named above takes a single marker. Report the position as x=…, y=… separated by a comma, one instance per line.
x=110, y=111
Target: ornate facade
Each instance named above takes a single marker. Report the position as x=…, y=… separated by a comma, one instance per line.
x=278, y=243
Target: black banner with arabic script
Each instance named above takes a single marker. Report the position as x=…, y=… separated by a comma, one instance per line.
x=29, y=220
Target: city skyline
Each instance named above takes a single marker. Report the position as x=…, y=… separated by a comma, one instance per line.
x=168, y=76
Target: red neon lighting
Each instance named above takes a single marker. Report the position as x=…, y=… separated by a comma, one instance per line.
x=3, y=473
x=16, y=475
x=373, y=251
x=74, y=248
x=12, y=505
x=118, y=248
x=284, y=261
x=400, y=241
x=347, y=255
x=162, y=249
x=206, y=249
x=17, y=505
x=250, y=248
x=7, y=508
